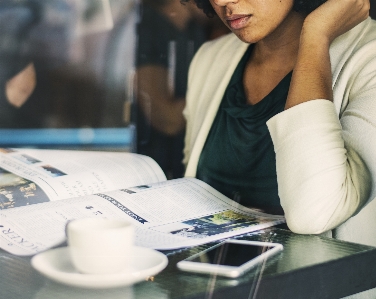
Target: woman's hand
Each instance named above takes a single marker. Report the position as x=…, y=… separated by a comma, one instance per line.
x=335, y=17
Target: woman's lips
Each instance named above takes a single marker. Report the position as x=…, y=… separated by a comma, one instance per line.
x=237, y=21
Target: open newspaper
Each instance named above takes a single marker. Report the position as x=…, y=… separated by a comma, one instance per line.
x=41, y=190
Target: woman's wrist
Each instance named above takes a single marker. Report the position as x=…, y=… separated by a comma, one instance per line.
x=313, y=33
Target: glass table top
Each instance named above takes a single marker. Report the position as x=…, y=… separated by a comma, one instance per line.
x=20, y=280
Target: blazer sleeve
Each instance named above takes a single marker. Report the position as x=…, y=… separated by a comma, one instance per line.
x=326, y=164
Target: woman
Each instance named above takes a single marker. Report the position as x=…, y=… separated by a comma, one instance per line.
x=289, y=97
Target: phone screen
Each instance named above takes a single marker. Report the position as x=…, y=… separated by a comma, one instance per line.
x=231, y=254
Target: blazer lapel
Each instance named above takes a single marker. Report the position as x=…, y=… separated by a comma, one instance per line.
x=232, y=53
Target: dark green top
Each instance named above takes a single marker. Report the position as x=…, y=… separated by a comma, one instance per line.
x=238, y=158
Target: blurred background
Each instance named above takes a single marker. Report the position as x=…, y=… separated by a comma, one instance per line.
x=69, y=73
x=99, y=74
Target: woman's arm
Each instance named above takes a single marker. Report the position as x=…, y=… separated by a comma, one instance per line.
x=312, y=77
x=322, y=174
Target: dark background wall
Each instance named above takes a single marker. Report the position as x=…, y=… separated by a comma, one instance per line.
x=373, y=9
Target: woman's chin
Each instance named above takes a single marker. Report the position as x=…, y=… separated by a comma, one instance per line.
x=247, y=39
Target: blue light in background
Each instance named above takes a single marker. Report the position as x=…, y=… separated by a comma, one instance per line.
x=118, y=137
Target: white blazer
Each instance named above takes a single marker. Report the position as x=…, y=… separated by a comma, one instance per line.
x=325, y=151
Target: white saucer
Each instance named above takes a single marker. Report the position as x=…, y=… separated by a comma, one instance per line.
x=56, y=265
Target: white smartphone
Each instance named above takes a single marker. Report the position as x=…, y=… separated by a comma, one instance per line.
x=231, y=258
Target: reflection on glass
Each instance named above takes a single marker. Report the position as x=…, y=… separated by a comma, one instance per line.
x=72, y=64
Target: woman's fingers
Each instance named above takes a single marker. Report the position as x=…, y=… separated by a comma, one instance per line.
x=336, y=17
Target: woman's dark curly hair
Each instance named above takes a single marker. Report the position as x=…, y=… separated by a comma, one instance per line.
x=306, y=6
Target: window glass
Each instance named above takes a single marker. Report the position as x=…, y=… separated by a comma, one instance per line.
x=100, y=64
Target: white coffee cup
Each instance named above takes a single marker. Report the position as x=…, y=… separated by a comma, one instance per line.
x=100, y=245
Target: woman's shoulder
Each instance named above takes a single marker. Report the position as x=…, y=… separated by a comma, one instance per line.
x=370, y=29
x=223, y=40
x=224, y=45
x=354, y=51
x=365, y=34
x=218, y=54
x=355, y=39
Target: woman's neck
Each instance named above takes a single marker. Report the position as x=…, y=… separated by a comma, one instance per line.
x=272, y=59
x=281, y=47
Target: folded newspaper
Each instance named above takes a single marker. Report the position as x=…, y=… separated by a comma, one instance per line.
x=41, y=190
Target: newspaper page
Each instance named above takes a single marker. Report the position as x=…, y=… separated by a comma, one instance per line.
x=30, y=176
x=167, y=215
